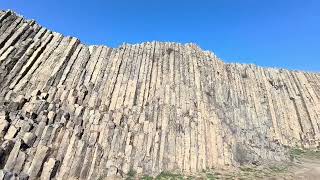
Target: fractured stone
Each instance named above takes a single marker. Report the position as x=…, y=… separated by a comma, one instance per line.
x=72, y=111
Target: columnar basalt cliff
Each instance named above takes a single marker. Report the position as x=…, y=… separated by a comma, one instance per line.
x=72, y=111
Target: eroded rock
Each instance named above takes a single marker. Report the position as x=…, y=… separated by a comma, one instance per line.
x=72, y=111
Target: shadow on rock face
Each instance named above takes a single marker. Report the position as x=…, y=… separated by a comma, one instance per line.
x=242, y=154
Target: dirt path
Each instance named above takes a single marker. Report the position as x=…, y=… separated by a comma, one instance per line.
x=307, y=169
x=304, y=165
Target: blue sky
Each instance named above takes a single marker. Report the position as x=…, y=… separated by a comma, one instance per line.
x=270, y=33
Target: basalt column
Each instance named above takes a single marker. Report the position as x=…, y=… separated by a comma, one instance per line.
x=72, y=111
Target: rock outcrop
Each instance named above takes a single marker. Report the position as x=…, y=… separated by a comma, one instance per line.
x=72, y=111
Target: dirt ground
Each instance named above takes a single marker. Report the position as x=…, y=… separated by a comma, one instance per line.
x=307, y=169
x=304, y=164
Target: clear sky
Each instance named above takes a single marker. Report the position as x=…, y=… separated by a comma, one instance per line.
x=272, y=33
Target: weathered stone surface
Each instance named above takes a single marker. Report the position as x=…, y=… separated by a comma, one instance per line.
x=29, y=138
x=12, y=131
x=4, y=125
x=11, y=161
x=49, y=169
x=38, y=160
x=71, y=111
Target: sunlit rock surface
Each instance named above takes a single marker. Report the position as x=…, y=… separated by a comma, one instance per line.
x=72, y=111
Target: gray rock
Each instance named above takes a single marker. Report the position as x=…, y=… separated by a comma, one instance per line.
x=71, y=111
x=29, y=138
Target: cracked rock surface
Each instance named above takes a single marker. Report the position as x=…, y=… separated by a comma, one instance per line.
x=72, y=111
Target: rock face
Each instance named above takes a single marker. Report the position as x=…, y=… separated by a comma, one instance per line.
x=71, y=111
